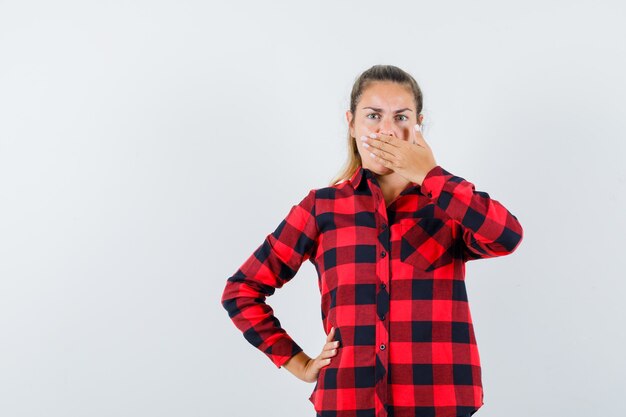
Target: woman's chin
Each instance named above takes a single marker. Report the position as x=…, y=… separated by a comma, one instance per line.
x=379, y=169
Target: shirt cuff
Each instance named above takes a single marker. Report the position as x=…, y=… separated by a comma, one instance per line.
x=283, y=350
x=433, y=182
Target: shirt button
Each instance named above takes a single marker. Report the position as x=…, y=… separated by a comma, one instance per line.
x=382, y=346
x=382, y=317
x=430, y=195
x=382, y=285
x=383, y=253
x=384, y=226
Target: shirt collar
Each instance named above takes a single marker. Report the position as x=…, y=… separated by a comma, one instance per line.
x=361, y=173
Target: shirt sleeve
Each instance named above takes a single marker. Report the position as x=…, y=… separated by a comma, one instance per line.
x=270, y=266
x=488, y=229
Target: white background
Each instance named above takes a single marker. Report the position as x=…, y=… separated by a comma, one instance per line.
x=148, y=147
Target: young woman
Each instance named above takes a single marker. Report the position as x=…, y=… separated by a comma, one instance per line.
x=389, y=239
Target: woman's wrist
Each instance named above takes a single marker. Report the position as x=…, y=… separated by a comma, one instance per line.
x=297, y=364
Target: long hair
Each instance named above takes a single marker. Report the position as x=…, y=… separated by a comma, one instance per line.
x=373, y=74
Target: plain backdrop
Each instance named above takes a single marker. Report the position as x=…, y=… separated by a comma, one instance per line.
x=148, y=147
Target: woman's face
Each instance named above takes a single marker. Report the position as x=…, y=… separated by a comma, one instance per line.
x=385, y=107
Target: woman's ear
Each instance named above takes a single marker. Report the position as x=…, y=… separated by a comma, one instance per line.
x=349, y=118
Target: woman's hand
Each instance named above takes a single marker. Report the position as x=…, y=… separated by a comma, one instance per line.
x=412, y=159
x=313, y=367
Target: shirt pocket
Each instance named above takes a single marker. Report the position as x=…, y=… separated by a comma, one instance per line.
x=428, y=243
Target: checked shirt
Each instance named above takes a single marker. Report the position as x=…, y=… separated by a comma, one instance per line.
x=392, y=283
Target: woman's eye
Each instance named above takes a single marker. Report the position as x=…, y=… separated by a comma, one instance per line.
x=400, y=115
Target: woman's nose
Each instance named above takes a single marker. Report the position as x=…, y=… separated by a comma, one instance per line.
x=388, y=132
x=386, y=129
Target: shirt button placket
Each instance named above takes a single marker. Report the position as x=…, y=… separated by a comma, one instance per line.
x=382, y=307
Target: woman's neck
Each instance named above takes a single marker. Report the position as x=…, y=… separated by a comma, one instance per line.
x=391, y=185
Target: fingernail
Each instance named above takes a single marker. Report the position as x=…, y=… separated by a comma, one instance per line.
x=418, y=128
x=364, y=138
x=373, y=135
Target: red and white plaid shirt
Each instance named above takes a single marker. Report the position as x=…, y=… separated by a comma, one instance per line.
x=392, y=283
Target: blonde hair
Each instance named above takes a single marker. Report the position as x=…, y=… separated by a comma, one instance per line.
x=367, y=77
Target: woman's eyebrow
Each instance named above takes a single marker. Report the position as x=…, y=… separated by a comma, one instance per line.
x=381, y=110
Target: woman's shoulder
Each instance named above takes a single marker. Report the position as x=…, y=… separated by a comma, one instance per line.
x=340, y=189
x=332, y=191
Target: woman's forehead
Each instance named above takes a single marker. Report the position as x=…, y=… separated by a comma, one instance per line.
x=387, y=95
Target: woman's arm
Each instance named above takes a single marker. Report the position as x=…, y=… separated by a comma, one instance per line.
x=272, y=265
x=297, y=364
x=488, y=228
